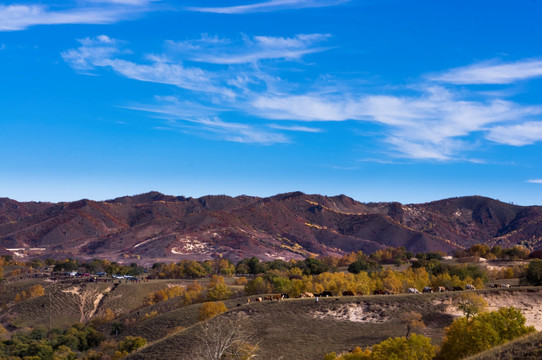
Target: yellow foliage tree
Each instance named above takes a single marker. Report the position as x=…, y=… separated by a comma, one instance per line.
x=417, y=347
x=471, y=304
x=482, y=332
x=34, y=291
x=217, y=289
x=413, y=322
x=209, y=310
x=240, y=281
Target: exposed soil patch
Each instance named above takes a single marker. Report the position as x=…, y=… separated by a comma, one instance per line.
x=354, y=312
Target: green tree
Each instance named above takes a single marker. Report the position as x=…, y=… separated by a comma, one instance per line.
x=257, y=286
x=358, y=266
x=533, y=276
x=131, y=343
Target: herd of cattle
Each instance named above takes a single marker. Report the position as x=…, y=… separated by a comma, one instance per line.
x=278, y=297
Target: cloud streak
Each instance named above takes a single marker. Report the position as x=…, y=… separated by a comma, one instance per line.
x=268, y=6
x=491, y=73
x=430, y=126
x=21, y=17
x=251, y=50
x=436, y=123
x=103, y=51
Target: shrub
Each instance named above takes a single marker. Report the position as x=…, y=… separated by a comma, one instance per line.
x=209, y=310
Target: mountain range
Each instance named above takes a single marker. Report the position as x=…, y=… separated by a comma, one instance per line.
x=155, y=227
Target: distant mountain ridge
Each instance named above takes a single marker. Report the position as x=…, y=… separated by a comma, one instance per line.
x=156, y=227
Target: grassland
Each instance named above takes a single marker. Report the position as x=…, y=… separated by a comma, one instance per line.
x=289, y=329
x=302, y=328
x=526, y=348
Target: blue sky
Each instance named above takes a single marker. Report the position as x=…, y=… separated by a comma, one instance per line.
x=407, y=101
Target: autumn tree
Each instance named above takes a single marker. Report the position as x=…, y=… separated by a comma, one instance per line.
x=482, y=332
x=34, y=291
x=417, y=347
x=209, y=310
x=413, y=322
x=471, y=304
x=217, y=289
x=356, y=354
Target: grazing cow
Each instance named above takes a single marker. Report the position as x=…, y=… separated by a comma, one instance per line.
x=469, y=287
x=441, y=289
x=307, y=294
x=348, y=293
x=258, y=299
x=277, y=297
x=326, y=294
x=270, y=298
x=413, y=291
x=505, y=285
x=458, y=288
x=427, y=289
x=285, y=296
x=379, y=292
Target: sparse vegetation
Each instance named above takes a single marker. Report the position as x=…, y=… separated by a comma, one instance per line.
x=162, y=309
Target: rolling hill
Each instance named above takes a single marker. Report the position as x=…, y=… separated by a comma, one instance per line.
x=156, y=227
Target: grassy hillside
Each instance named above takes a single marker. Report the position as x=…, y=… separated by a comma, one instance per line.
x=301, y=326
x=303, y=329
x=525, y=348
x=59, y=308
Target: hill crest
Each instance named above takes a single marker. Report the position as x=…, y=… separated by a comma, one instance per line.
x=154, y=227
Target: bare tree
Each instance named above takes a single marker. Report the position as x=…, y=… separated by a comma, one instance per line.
x=225, y=337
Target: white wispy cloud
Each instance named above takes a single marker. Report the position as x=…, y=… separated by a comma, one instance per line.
x=526, y=133
x=22, y=16
x=203, y=120
x=310, y=107
x=123, y=2
x=491, y=73
x=535, y=181
x=250, y=50
x=242, y=133
x=435, y=123
x=295, y=128
x=267, y=6
x=430, y=126
x=103, y=51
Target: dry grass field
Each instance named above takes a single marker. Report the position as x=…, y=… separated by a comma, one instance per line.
x=287, y=329
x=526, y=348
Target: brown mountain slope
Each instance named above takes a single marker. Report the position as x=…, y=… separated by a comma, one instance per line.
x=155, y=227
